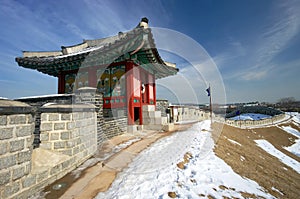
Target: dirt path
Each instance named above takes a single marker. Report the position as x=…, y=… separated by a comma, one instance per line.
x=99, y=177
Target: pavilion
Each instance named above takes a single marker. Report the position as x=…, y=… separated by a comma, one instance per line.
x=123, y=67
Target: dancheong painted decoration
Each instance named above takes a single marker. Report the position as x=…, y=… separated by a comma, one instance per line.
x=122, y=67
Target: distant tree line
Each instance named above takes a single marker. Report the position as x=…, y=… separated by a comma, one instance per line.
x=288, y=104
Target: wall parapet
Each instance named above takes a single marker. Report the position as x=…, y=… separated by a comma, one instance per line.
x=16, y=137
x=9, y=107
x=253, y=123
x=69, y=130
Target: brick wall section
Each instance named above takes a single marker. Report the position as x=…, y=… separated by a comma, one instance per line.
x=162, y=106
x=16, y=137
x=37, y=103
x=107, y=127
x=68, y=125
x=114, y=127
x=69, y=129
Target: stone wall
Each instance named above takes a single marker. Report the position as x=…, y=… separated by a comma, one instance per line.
x=69, y=129
x=68, y=134
x=16, y=137
x=115, y=126
x=255, y=109
x=253, y=123
x=107, y=127
x=37, y=102
x=188, y=113
x=162, y=106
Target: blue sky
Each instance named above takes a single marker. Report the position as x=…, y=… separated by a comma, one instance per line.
x=254, y=44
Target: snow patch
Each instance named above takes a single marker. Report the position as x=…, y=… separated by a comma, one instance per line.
x=291, y=130
x=234, y=142
x=269, y=148
x=273, y=188
x=295, y=148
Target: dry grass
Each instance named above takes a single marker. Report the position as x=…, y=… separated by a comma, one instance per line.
x=251, y=161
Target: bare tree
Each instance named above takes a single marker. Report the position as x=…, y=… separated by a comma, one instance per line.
x=286, y=100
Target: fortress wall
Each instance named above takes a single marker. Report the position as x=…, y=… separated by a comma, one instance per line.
x=253, y=123
x=68, y=138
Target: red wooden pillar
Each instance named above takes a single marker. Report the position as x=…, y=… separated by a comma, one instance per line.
x=61, y=83
x=92, y=77
x=129, y=92
x=141, y=95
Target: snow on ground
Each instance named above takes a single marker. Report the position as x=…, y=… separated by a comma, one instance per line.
x=295, y=148
x=269, y=148
x=250, y=116
x=233, y=141
x=291, y=130
x=92, y=161
x=295, y=116
x=154, y=172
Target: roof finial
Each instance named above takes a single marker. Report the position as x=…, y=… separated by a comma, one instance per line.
x=144, y=22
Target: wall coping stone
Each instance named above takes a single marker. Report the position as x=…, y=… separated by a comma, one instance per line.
x=68, y=108
x=9, y=107
x=43, y=97
x=86, y=90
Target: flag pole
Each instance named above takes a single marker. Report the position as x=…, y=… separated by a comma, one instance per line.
x=210, y=105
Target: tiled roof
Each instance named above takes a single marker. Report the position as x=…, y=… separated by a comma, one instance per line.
x=137, y=44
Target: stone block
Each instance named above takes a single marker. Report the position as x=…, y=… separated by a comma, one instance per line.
x=71, y=143
x=76, y=150
x=5, y=177
x=29, y=119
x=169, y=127
x=23, y=157
x=59, y=145
x=53, y=116
x=65, y=135
x=140, y=127
x=66, y=116
x=26, y=130
x=153, y=127
x=6, y=133
x=70, y=125
x=54, y=136
x=59, y=126
x=29, y=181
x=18, y=172
x=132, y=128
x=17, y=145
x=44, y=117
x=164, y=120
x=148, y=108
x=68, y=152
x=41, y=176
x=46, y=127
x=17, y=119
x=44, y=136
x=11, y=189
x=56, y=169
x=3, y=148
x=46, y=145
x=151, y=114
x=7, y=161
x=3, y=120
x=27, y=167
